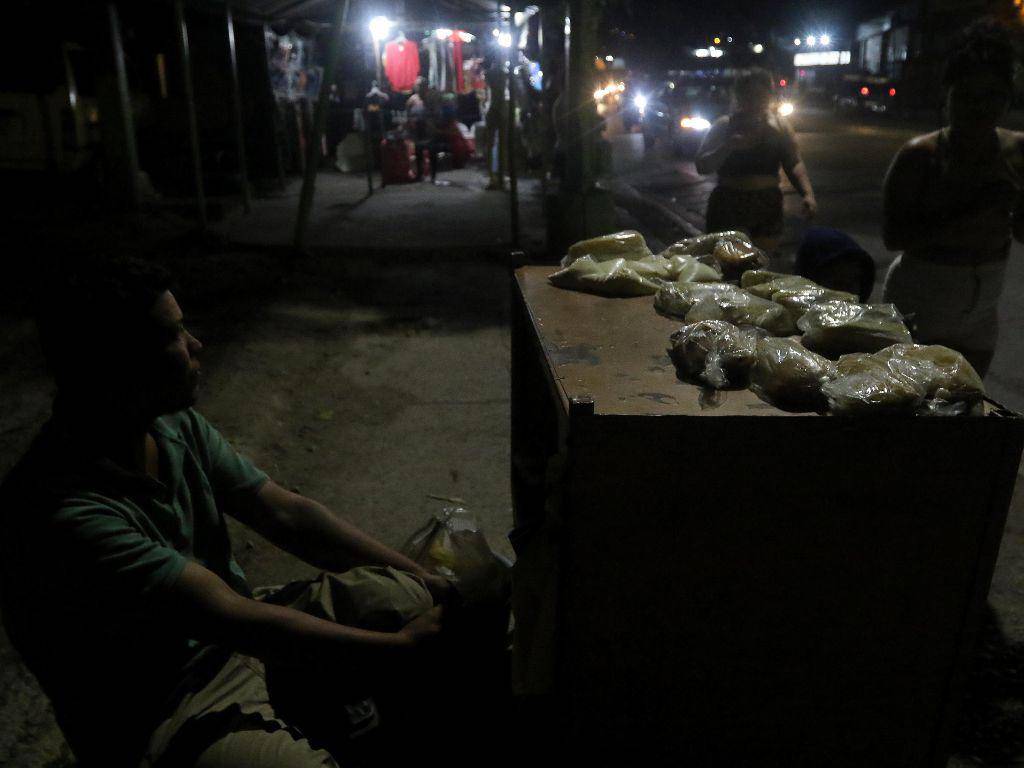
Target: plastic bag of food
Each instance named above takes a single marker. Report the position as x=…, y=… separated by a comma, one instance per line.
x=452, y=545
x=798, y=300
x=691, y=344
x=790, y=376
x=606, y=278
x=628, y=244
x=943, y=372
x=766, y=289
x=867, y=385
x=714, y=352
x=757, y=276
x=687, y=269
x=737, y=257
x=731, y=356
x=704, y=245
x=741, y=308
x=676, y=299
x=834, y=328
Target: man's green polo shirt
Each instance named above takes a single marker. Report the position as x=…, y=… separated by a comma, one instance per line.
x=85, y=544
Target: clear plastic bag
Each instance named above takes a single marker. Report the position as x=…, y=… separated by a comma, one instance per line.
x=736, y=257
x=754, y=277
x=867, y=385
x=616, y=278
x=944, y=372
x=715, y=353
x=704, y=245
x=688, y=269
x=798, y=300
x=628, y=244
x=766, y=289
x=834, y=328
x=676, y=299
x=789, y=376
x=730, y=358
x=741, y=308
x=452, y=545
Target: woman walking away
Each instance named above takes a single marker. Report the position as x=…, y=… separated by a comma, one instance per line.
x=951, y=204
x=746, y=149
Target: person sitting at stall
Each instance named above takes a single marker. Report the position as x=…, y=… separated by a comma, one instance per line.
x=833, y=259
x=424, y=114
x=951, y=204
x=118, y=584
x=746, y=149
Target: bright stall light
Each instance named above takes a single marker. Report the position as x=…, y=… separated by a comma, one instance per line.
x=786, y=108
x=796, y=41
x=505, y=39
x=695, y=123
x=380, y=26
x=640, y=102
x=758, y=48
x=443, y=34
x=609, y=58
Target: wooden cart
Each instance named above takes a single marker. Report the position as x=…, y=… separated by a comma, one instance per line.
x=706, y=580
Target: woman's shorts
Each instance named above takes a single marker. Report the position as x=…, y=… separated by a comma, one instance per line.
x=757, y=212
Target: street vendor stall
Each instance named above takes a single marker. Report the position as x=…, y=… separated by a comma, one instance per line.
x=704, y=579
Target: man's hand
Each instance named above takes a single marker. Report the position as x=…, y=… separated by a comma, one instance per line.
x=424, y=626
x=810, y=207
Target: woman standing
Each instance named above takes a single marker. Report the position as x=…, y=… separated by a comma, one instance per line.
x=951, y=204
x=746, y=148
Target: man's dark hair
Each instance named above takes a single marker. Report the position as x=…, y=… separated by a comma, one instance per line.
x=754, y=82
x=96, y=311
x=985, y=47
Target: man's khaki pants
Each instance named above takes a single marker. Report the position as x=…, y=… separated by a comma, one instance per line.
x=231, y=721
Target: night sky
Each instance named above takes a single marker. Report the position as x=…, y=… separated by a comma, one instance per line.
x=663, y=27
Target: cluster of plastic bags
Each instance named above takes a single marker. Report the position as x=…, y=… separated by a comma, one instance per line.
x=731, y=251
x=623, y=265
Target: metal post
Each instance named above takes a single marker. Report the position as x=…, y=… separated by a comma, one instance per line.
x=513, y=181
x=190, y=106
x=376, y=59
x=368, y=149
x=275, y=122
x=319, y=121
x=118, y=124
x=236, y=93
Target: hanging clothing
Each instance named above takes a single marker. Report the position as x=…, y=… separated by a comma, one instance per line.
x=438, y=63
x=402, y=64
x=457, y=62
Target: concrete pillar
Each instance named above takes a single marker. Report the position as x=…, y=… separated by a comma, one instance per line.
x=190, y=109
x=117, y=126
x=236, y=98
x=585, y=209
x=318, y=124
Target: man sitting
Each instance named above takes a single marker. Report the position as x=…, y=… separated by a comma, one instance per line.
x=119, y=588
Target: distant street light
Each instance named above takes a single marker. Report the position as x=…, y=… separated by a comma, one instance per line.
x=758, y=48
x=811, y=41
x=796, y=41
x=825, y=40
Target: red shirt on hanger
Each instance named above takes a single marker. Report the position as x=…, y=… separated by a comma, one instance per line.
x=402, y=64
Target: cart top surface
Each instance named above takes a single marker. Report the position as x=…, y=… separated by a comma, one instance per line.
x=615, y=352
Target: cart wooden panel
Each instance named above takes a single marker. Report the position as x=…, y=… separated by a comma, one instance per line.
x=724, y=583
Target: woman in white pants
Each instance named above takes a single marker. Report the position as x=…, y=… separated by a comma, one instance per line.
x=951, y=204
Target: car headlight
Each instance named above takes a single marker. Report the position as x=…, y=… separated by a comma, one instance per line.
x=786, y=108
x=640, y=101
x=694, y=123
